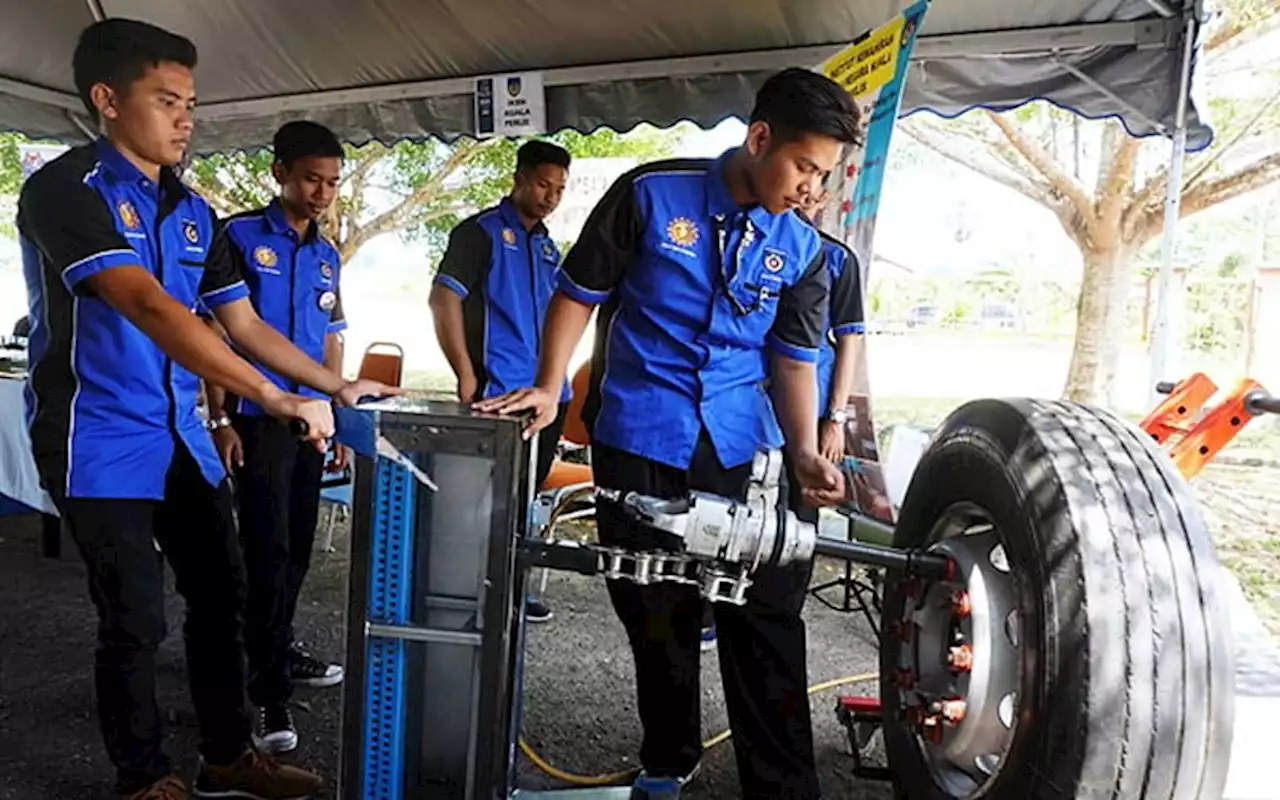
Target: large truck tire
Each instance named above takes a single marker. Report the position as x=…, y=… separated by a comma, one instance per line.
x=1084, y=629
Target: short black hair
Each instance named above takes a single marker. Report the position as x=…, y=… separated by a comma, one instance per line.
x=532, y=155
x=797, y=101
x=119, y=51
x=302, y=139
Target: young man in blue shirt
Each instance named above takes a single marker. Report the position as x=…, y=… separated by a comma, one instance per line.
x=292, y=274
x=841, y=357
x=701, y=268
x=117, y=255
x=490, y=296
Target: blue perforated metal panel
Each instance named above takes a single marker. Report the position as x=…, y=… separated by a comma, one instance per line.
x=390, y=592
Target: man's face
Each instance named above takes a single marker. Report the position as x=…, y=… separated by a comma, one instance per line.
x=786, y=175
x=814, y=204
x=152, y=116
x=538, y=191
x=308, y=188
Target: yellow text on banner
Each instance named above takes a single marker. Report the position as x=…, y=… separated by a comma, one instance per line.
x=865, y=66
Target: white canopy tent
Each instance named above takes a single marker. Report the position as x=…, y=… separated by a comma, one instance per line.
x=393, y=69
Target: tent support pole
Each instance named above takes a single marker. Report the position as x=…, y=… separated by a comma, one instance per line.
x=1168, y=294
x=95, y=8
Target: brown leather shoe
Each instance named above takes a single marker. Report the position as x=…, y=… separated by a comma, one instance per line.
x=170, y=788
x=256, y=776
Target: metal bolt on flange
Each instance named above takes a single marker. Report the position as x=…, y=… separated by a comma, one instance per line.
x=960, y=658
x=953, y=710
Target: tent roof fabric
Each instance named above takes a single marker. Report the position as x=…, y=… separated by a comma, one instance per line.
x=393, y=69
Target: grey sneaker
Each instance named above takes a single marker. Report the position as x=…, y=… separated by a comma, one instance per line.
x=307, y=670
x=279, y=735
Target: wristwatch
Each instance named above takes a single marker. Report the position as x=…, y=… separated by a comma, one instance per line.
x=837, y=415
x=218, y=422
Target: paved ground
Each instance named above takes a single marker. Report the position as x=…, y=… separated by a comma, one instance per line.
x=579, y=703
x=579, y=706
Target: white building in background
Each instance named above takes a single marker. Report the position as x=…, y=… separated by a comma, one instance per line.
x=589, y=179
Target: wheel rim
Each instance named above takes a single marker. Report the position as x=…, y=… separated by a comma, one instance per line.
x=960, y=663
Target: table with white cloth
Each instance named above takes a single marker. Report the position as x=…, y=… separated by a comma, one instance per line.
x=19, y=483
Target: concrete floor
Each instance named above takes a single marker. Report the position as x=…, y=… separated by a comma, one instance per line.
x=579, y=702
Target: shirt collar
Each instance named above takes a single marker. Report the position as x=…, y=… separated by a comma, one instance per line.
x=721, y=202
x=278, y=223
x=123, y=170
x=511, y=218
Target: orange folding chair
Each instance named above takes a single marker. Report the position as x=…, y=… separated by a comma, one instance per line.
x=568, y=483
x=383, y=362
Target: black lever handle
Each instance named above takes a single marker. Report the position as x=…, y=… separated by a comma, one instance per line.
x=299, y=428
x=1259, y=402
x=1166, y=387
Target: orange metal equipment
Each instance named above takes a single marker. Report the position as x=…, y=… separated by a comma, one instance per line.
x=1193, y=446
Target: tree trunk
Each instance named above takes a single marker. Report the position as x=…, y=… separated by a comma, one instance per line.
x=1101, y=317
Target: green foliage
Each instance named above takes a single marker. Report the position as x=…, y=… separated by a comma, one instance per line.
x=243, y=179
x=418, y=190
x=10, y=165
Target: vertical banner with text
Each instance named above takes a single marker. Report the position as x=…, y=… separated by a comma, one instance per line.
x=874, y=70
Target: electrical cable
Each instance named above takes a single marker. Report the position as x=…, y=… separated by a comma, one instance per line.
x=621, y=777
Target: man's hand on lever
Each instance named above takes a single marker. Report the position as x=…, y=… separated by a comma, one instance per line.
x=544, y=403
x=352, y=391
x=317, y=415
x=821, y=482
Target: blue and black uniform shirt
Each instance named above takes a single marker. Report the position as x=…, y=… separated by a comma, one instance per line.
x=293, y=284
x=505, y=276
x=847, y=316
x=105, y=406
x=694, y=290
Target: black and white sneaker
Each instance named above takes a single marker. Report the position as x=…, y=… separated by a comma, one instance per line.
x=308, y=670
x=536, y=611
x=278, y=734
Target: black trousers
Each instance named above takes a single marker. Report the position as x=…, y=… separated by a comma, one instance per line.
x=117, y=539
x=278, y=491
x=762, y=644
x=548, y=441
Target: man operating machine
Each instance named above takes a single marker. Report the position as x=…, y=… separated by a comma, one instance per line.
x=676, y=404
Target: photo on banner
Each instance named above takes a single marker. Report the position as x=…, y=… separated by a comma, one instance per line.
x=873, y=70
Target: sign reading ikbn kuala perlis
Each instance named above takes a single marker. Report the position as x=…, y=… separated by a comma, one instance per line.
x=510, y=105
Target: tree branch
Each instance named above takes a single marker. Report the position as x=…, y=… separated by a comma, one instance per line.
x=395, y=217
x=1023, y=184
x=1238, y=30
x=1257, y=175
x=1115, y=184
x=1035, y=155
x=1158, y=185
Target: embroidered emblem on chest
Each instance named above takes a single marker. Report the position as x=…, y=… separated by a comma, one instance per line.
x=128, y=215
x=191, y=231
x=774, y=261
x=682, y=231
x=509, y=236
x=265, y=256
x=327, y=301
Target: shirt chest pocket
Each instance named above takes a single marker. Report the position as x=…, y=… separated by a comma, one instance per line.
x=185, y=283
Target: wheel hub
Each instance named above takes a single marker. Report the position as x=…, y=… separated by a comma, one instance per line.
x=959, y=668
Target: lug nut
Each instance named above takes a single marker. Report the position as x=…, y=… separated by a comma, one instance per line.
x=961, y=605
x=960, y=659
x=952, y=710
